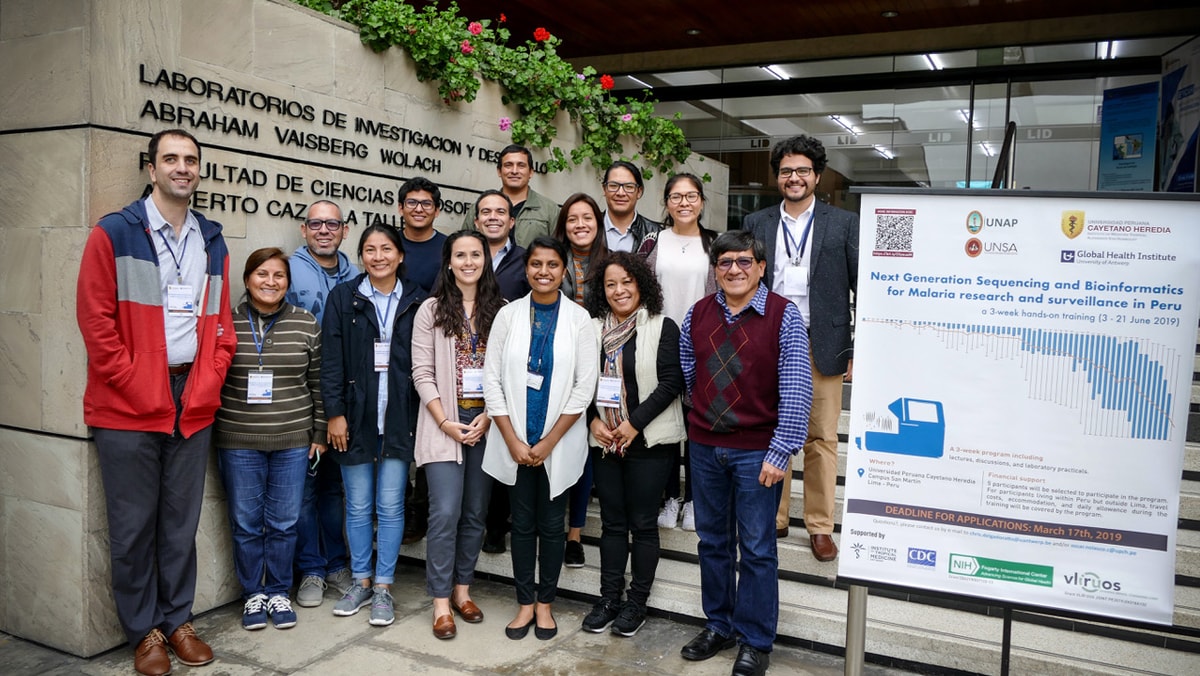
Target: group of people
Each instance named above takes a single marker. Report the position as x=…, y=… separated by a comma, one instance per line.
x=533, y=357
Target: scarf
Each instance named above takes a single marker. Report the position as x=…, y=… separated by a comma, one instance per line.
x=613, y=337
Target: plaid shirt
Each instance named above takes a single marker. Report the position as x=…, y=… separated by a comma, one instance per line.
x=795, y=374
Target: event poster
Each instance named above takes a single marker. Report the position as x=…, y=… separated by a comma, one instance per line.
x=1179, y=119
x=1023, y=363
x=1128, y=121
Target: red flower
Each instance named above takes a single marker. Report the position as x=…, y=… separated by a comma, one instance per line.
x=541, y=34
x=606, y=82
x=466, y=47
x=503, y=18
x=475, y=28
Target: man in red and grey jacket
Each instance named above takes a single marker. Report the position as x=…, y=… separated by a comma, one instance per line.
x=153, y=308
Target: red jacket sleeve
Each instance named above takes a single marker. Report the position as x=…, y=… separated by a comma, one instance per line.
x=96, y=308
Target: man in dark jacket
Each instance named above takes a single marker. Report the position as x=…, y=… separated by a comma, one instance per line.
x=153, y=301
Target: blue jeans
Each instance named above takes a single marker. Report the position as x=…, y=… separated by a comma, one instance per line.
x=375, y=491
x=735, y=516
x=320, y=538
x=264, y=489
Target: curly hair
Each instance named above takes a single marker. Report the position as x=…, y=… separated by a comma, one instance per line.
x=450, y=315
x=807, y=146
x=635, y=266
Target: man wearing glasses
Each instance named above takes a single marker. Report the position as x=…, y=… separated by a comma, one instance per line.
x=812, y=254
x=419, y=200
x=744, y=354
x=624, y=227
x=321, y=554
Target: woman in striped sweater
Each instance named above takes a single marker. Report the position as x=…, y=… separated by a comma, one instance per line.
x=270, y=427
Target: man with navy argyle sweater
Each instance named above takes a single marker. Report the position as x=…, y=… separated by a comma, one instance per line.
x=744, y=352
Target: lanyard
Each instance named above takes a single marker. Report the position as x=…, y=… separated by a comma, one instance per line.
x=182, y=252
x=612, y=359
x=258, y=342
x=789, y=241
x=385, y=328
x=541, y=351
x=471, y=333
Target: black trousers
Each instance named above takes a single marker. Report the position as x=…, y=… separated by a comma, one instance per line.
x=629, y=489
x=538, y=539
x=153, y=491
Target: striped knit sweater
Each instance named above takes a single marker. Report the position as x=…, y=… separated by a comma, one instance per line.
x=292, y=352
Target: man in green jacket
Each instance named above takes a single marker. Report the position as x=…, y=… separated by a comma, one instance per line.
x=535, y=213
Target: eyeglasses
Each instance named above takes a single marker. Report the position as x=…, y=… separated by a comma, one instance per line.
x=679, y=197
x=330, y=224
x=802, y=172
x=419, y=204
x=614, y=187
x=743, y=262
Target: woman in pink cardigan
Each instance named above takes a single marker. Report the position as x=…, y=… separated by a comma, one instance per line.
x=449, y=342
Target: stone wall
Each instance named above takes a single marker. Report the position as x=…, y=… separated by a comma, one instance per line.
x=289, y=107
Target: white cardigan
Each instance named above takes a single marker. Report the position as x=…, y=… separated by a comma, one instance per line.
x=572, y=388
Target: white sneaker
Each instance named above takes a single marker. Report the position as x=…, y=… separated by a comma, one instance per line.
x=668, y=516
x=688, y=522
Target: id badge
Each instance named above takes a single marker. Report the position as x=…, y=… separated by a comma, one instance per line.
x=472, y=383
x=181, y=300
x=383, y=353
x=534, y=380
x=795, y=280
x=608, y=392
x=258, y=387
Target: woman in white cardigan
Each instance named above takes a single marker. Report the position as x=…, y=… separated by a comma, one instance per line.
x=539, y=378
x=450, y=338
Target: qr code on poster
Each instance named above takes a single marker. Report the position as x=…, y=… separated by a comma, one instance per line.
x=894, y=232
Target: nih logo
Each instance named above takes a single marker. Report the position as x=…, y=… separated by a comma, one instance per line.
x=1068, y=256
x=922, y=557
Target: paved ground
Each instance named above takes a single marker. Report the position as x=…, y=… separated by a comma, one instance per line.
x=324, y=644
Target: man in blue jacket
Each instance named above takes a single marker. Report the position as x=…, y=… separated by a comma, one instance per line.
x=321, y=556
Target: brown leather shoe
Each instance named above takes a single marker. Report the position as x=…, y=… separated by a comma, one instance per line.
x=188, y=647
x=781, y=533
x=443, y=627
x=822, y=547
x=150, y=657
x=468, y=611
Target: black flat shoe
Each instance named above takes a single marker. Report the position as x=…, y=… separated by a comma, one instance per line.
x=518, y=633
x=545, y=634
x=706, y=644
x=751, y=662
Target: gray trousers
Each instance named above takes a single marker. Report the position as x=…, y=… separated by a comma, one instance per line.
x=153, y=490
x=458, y=500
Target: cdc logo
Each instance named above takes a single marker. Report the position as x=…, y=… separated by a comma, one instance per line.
x=922, y=557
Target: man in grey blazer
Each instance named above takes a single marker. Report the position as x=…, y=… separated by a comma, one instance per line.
x=812, y=255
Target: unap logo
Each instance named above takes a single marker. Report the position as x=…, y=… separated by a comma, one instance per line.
x=974, y=222
x=1072, y=224
x=922, y=557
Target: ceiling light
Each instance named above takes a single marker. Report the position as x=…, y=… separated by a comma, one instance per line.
x=933, y=64
x=640, y=82
x=987, y=150
x=692, y=31
x=776, y=71
x=1105, y=50
x=841, y=123
x=884, y=152
x=889, y=14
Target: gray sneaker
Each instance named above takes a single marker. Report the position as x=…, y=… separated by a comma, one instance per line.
x=382, y=613
x=354, y=599
x=340, y=581
x=311, y=592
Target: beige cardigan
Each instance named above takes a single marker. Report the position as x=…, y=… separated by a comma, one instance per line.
x=435, y=376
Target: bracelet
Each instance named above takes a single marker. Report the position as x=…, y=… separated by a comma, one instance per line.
x=442, y=423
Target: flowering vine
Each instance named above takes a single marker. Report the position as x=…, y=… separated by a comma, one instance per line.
x=457, y=53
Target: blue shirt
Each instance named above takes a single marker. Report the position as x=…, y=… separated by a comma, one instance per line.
x=181, y=261
x=795, y=373
x=386, y=305
x=541, y=361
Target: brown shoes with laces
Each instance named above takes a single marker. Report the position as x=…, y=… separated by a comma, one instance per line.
x=150, y=657
x=188, y=647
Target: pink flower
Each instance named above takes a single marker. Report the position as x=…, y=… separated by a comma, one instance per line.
x=627, y=117
x=581, y=76
x=505, y=124
x=466, y=47
x=475, y=27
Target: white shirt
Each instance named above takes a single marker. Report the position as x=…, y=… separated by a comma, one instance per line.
x=188, y=251
x=682, y=268
x=796, y=227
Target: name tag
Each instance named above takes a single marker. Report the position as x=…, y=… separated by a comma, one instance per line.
x=534, y=380
x=608, y=392
x=795, y=280
x=259, y=387
x=383, y=352
x=181, y=300
x=472, y=383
